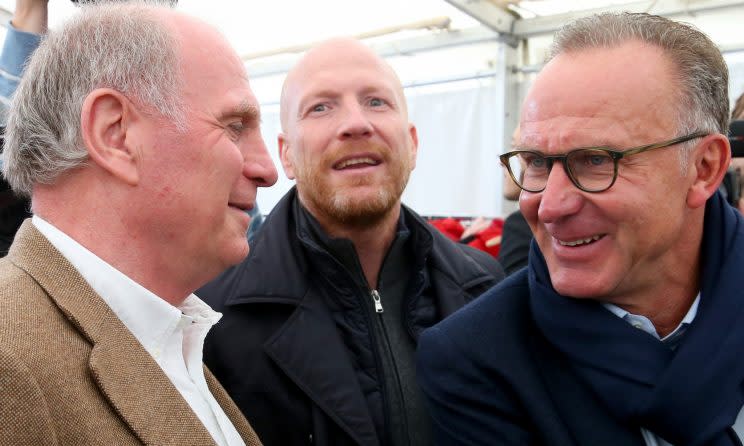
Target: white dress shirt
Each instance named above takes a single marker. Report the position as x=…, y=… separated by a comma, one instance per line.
x=174, y=336
x=645, y=324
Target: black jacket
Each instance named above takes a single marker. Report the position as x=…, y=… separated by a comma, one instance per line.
x=277, y=350
x=13, y=210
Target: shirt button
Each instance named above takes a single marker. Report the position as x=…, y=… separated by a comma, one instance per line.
x=638, y=325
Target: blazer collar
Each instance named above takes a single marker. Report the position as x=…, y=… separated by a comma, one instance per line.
x=127, y=376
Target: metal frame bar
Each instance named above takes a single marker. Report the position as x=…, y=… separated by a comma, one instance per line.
x=446, y=39
x=525, y=28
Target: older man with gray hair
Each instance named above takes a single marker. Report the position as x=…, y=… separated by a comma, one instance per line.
x=135, y=133
x=627, y=326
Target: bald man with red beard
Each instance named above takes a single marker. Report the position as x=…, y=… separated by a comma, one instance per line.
x=322, y=320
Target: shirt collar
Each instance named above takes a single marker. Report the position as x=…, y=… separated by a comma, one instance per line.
x=645, y=324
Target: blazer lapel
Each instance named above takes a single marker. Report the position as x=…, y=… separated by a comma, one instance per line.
x=127, y=376
x=309, y=350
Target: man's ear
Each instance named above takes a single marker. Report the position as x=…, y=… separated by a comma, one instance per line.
x=105, y=118
x=414, y=144
x=285, y=157
x=710, y=162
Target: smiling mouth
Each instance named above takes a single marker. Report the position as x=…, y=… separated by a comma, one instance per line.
x=355, y=163
x=580, y=242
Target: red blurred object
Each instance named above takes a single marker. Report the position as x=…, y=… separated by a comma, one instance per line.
x=450, y=227
x=487, y=240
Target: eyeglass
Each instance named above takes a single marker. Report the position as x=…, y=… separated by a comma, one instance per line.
x=591, y=169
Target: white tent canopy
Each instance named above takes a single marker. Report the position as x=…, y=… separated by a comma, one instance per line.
x=466, y=65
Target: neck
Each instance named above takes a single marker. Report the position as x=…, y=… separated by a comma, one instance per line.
x=666, y=312
x=107, y=234
x=370, y=242
x=666, y=300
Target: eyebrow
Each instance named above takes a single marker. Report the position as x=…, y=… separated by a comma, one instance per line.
x=605, y=145
x=245, y=109
x=307, y=99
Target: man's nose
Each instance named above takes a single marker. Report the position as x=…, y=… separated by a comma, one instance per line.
x=354, y=122
x=259, y=167
x=560, y=197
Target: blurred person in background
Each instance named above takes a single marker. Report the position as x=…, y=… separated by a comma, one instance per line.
x=737, y=162
x=516, y=235
x=24, y=32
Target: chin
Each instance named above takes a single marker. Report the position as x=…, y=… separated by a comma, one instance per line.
x=236, y=253
x=574, y=292
x=357, y=209
x=580, y=284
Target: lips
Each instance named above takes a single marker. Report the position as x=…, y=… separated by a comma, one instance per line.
x=356, y=162
x=580, y=241
x=245, y=207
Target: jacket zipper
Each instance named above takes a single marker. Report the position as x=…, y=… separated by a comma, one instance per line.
x=377, y=301
x=378, y=363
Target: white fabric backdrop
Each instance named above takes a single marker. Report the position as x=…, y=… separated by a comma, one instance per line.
x=736, y=75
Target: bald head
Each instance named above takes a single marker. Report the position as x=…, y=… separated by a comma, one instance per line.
x=346, y=137
x=339, y=54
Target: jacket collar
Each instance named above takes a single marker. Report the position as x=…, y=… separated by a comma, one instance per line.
x=127, y=376
x=278, y=253
x=307, y=348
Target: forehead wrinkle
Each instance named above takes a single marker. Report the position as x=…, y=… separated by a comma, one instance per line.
x=563, y=133
x=333, y=55
x=617, y=108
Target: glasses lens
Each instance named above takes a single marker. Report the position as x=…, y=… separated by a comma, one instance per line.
x=593, y=169
x=531, y=169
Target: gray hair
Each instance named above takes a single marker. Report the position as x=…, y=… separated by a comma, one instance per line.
x=122, y=46
x=701, y=72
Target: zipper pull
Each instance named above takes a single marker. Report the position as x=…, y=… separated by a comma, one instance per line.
x=378, y=301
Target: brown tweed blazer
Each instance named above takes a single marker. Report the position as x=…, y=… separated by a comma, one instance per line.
x=72, y=374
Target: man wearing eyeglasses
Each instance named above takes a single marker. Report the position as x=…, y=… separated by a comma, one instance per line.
x=627, y=327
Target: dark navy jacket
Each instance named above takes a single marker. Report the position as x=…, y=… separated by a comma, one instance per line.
x=491, y=378
x=277, y=350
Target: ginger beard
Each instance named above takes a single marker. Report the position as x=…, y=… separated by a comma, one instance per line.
x=361, y=201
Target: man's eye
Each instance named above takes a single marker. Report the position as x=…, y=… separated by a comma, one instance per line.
x=598, y=160
x=317, y=108
x=376, y=102
x=235, y=129
x=592, y=159
x=536, y=162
